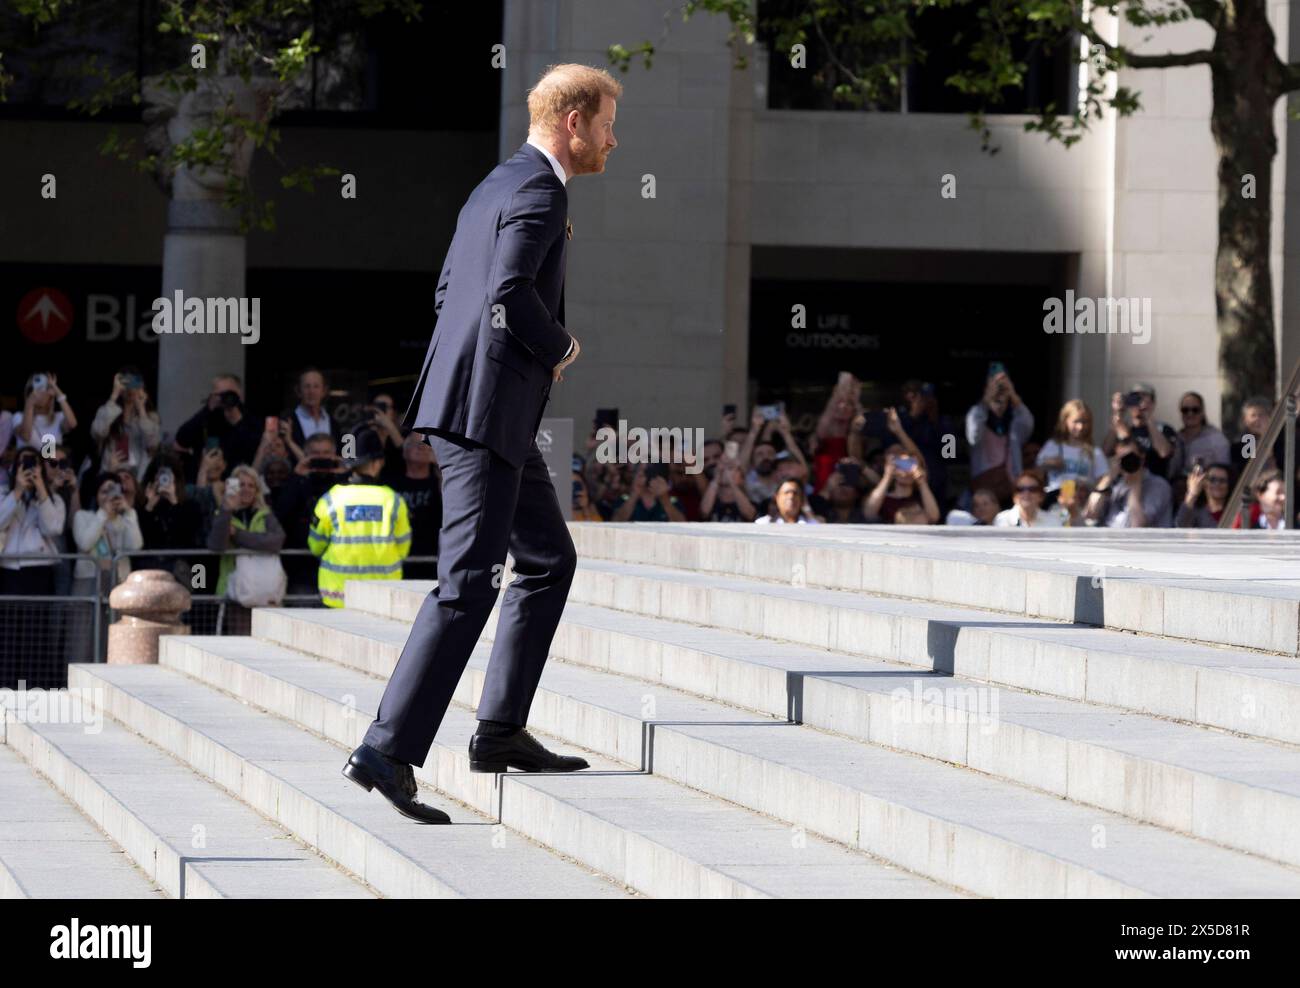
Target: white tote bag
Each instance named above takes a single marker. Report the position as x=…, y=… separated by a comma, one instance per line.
x=258, y=580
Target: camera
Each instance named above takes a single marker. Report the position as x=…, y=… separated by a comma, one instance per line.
x=229, y=399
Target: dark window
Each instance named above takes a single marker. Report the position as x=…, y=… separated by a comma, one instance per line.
x=381, y=71
x=943, y=37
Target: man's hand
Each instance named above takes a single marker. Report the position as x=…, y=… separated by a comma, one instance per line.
x=559, y=368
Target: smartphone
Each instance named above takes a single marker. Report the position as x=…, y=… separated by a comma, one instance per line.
x=165, y=478
x=731, y=449
x=232, y=485
x=996, y=367
x=905, y=464
x=851, y=472
x=607, y=416
x=728, y=409
x=1133, y=399
x=271, y=426
x=772, y=412
x=40, y=382
x=212, y=443
x=321, y=463
x=653, y=470
x=115, y=489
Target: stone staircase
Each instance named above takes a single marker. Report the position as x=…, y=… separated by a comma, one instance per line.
x=796, y=712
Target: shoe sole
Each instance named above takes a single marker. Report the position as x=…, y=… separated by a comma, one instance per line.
x=503, y=766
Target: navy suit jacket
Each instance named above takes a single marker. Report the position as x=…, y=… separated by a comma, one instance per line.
x=499, y=309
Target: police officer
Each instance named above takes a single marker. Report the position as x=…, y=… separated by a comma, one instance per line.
x=361, y=529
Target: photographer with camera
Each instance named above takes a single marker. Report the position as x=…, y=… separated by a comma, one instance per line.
x=169, y=519
x=903, y=484
x=725, y=498
x=1133, y=416
x=245, y=521
x=31, y=518
x=220, y=422
x=126, y=428
x=651, y=499
x=107, y=525
x=997, y=428
x=46, y=412
x=1130, y=495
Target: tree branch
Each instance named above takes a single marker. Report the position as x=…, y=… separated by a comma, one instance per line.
x=1201, y=56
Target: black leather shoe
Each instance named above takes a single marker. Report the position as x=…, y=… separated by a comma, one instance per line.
x=488, y=753
x=371, y=769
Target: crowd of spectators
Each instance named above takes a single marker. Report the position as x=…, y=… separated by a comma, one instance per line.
x=122, y=481
x=181, y=497
x=908, y=464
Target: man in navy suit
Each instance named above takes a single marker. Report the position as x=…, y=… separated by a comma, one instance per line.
x=498, y=345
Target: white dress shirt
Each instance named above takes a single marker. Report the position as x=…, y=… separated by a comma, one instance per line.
x=559, y=170
x=564, y=180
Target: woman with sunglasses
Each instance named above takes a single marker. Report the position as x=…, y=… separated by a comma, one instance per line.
x=1207, y=495
x=1200, y=441
x=1027, y=512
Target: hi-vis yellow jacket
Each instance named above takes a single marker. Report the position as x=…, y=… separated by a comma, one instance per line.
x=361, y=532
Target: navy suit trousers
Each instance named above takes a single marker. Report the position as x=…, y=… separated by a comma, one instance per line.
x=488, y=508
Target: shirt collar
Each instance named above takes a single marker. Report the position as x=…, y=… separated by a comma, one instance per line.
x=559, y=170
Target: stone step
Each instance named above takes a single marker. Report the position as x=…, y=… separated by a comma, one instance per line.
x=660, y=838
x=958, y=827
x=1237, y=791
x=1245, y=692
x=186, y=835
x=50, y=850
x=1208, y=587
x=294, y=777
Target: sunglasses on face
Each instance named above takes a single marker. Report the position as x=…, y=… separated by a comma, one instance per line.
x=1190, y=410
x=1027, y=490
x=1216, y=480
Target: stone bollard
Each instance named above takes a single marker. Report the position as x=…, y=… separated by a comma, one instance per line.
x=149, y=604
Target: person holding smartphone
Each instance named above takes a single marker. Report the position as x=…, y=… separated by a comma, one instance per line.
x=903, y=483
x=725, y=498
x=1133, y=416
x=170, y=519
x=108, y=525
x=126, y=427
x=46, y=412
x=996, y=428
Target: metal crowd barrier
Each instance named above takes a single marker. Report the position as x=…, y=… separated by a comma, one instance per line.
x=40, y=634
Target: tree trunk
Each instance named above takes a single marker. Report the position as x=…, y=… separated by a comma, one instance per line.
x=1247, y=80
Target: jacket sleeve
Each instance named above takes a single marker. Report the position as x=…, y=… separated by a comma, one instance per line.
x=444, y=279
x=976, y=419
x=8, y=509
x=50, y=516
x=272, y=540
x=402, y=528
x=87, y=527
x=104, y=418
x=1022, y=424
x=530, y=226
x=318, y=535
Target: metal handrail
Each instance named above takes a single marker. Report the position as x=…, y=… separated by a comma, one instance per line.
x=1276, y=424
